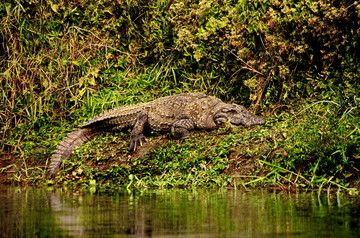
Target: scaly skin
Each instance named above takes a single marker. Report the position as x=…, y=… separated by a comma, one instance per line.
x=178, y=114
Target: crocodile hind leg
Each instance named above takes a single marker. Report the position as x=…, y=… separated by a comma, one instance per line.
x=137, y=134
x=181, y=128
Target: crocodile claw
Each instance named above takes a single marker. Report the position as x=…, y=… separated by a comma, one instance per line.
x=136, y=141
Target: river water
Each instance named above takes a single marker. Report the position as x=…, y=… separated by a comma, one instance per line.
x=34, y=212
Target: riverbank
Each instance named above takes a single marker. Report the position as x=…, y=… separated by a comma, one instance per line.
x=312, y=146
x=295, y=63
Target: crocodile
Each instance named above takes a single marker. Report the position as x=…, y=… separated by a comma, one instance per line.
x=178, y=114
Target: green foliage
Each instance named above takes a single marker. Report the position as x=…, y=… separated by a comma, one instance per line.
x=56, y=52
x=270, y=45
x=320, y=143
x=65, y=61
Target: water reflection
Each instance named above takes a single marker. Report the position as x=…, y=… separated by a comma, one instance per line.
x=176, y=213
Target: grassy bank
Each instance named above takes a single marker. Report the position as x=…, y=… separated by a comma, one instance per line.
x=297, y=64
x=303, y=146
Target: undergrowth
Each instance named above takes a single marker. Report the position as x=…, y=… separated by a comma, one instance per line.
x=297, y=63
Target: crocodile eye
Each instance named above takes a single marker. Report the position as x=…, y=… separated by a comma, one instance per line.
x=227, y=110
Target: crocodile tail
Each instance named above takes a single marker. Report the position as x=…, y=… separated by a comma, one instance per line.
x=75, y=138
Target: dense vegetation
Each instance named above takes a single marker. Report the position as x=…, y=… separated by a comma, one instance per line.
x=296, y=62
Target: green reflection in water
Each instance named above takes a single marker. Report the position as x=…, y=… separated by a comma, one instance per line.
x=176, y=213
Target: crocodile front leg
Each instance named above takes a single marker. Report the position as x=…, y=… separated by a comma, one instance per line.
x=182, y=127
x=137, y=137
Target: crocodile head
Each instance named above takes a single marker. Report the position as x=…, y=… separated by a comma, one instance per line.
x=237, y=115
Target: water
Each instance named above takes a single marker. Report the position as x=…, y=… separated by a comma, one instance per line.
x=176, y=213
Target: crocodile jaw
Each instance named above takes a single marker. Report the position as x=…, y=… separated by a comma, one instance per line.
x=237, y=115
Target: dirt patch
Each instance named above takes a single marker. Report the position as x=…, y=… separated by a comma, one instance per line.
x=148, y=146
x=243, y=167
x=125, y=158
x=8, y=166
x=16, y=170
